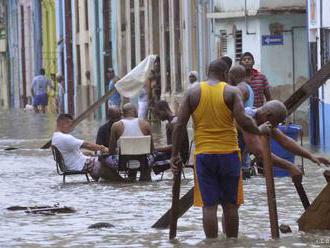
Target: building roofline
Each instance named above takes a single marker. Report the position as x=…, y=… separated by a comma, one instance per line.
x=260, y=12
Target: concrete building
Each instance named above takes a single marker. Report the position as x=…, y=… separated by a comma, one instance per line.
x=49, y=42
x=275, y=32
x=319, y=43
x=178, y=31
x=82, y=39
x=4, y=90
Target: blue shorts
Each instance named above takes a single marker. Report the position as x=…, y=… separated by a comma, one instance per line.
x=41, y=99
x=219, y=179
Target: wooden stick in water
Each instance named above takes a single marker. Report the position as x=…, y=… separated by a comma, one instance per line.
x=268, y=173
x=175, y=203
x=301, y=191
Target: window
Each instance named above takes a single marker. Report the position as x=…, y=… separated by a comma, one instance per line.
x=78, y=65
x=86, y=14
x=76, y=5
x=132, y=18
x=222, y=43
x=238, y=45
x=167, y=46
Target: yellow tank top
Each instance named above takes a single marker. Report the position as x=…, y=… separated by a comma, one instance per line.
x=214, y=127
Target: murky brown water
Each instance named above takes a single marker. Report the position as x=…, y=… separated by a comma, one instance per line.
x=28, y=177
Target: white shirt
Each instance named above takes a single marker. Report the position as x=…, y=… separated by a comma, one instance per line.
x=69, y=146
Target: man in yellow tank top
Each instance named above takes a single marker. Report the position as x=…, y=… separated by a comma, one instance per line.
x=214, y=105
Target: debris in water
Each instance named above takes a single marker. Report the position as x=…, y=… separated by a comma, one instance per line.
x=285, y=228
x=100, y=225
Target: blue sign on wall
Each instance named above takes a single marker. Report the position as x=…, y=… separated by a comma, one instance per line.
x=270, y=40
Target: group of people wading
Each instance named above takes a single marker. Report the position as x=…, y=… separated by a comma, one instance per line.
x=229, y=116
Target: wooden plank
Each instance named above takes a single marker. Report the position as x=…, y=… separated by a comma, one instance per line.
x=317, y=216
x=175, y=204
x=271, y=197
x=184, y=204
x=301, y=191
x=308, y=89
x=86, y=113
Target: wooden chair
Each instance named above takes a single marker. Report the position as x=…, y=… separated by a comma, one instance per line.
x=61, y=168
x=135, y=148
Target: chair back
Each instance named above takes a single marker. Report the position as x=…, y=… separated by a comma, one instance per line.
x=135, y=145
x=60, y=165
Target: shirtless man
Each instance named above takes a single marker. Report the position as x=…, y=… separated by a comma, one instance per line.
x=130, y=125
x=214, y=105
x=275, y=112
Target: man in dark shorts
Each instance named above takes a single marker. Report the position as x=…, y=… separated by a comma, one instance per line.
x=213, y=105
x=39, y=91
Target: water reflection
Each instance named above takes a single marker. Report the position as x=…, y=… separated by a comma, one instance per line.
x=28, y=177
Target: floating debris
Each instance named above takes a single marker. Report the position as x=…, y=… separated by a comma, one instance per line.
x=20, y=208
x=285, y=228
x=100, y=225
x=52, y=210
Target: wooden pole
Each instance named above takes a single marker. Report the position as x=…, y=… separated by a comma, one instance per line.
x=268, y=173
x=175, y=203
x=301, y=191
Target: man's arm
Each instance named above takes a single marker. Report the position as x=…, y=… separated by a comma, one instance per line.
x=114, y=136
x=146, y=129
x=184, y=113
x=266, y=89
x=94, y=147
x=255, y=147
x=267, y=94
x=292, y=146
x=234, y=102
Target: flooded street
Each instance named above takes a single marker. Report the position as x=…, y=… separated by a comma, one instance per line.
x=28, y=177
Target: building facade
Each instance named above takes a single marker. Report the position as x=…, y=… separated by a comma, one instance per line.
x=275, y=32
x=319, y=43
x=177, y=31
x=4, y=90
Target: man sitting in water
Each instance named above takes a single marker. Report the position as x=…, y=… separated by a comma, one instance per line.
x=275, y=112
x=73, y=157
x=103, y=134
x=130, y=126
x=162, y=154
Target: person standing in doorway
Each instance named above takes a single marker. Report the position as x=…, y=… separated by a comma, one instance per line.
x=115, y=99
x=256, y=80
x=39, y=88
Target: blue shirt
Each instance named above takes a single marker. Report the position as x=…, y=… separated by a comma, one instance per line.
x=249, y=102
x=115, y=98
x=40, y=84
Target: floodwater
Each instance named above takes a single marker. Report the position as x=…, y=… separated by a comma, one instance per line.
x=28, y=177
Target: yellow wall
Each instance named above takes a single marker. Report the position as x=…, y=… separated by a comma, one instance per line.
x=49, y=43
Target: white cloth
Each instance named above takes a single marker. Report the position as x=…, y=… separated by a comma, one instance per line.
x=143, y=110
x=132, y=83
x=69, y=146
